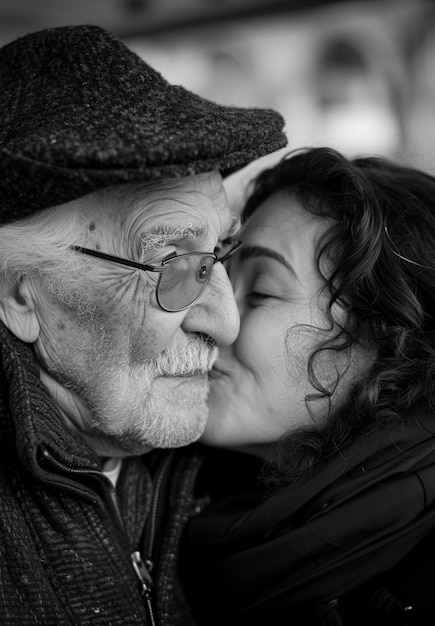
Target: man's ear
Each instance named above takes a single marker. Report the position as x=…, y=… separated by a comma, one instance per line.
x=17, y=311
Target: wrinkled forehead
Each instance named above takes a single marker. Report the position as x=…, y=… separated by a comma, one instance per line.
x=196, y=205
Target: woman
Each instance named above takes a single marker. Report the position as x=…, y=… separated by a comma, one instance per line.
x=323, y=506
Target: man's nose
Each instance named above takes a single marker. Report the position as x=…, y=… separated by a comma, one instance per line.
x=215, y=313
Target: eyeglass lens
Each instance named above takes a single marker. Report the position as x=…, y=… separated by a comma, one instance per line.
x=184, y=280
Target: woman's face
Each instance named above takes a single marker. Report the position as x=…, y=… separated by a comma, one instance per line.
x=259, y=384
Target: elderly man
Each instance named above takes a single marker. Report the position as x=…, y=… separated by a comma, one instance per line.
x=113, y=300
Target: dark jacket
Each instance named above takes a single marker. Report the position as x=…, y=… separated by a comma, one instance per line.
x=66, y=537
x=352, y=544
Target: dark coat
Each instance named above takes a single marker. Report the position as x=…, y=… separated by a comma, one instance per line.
x=353, y=544
x=66, y=536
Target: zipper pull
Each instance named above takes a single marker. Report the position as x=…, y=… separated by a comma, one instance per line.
x=142, y=573
x=146, y=582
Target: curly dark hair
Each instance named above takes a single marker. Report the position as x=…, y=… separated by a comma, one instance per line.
x=381, y=244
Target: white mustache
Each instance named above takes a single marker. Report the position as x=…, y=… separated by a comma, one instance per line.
x=193, y=356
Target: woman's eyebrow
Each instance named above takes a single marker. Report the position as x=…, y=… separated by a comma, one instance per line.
x=247, y=252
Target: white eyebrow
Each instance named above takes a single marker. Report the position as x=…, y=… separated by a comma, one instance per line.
x=163, y=234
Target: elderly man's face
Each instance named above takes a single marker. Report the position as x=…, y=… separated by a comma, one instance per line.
x=128, y=375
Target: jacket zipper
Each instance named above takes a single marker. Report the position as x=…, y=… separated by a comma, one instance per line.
x=139, y=568
x=146, y=582
x=75, y=470
x=151, y=535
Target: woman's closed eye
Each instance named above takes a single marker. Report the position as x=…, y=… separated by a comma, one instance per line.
x=263, y=281
x=257, y=296
x=263, y=289
x=268, y=288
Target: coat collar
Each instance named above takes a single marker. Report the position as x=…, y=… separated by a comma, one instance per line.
x=36, y=421
x=357, y=516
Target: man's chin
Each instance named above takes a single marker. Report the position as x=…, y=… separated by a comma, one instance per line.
x=173, y=414
x=184, y=426
x=176, y=416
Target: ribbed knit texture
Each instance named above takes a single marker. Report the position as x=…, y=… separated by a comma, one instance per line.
x=80, y=111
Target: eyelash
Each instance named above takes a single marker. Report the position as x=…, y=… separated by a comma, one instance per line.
x=259, y=295
x=169, y=256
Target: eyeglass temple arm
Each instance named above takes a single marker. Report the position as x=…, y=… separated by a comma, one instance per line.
x=230, y=253
x=121, y=261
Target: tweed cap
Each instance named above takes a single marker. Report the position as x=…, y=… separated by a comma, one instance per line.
x=80, y=111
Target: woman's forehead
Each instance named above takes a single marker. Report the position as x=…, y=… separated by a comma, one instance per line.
x=282, y=215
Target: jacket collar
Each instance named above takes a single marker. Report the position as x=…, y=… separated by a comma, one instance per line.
x=36, y=419
x=357, y=516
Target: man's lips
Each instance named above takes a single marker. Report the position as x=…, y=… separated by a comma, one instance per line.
x=192, y=374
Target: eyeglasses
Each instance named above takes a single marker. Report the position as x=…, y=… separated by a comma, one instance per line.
x=182, y=279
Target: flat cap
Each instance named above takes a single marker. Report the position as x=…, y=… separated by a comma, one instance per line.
x=80, y=111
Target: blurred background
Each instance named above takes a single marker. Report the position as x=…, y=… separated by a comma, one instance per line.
x=354, y=75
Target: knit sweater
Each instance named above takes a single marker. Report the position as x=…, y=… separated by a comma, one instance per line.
x=66, y=537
